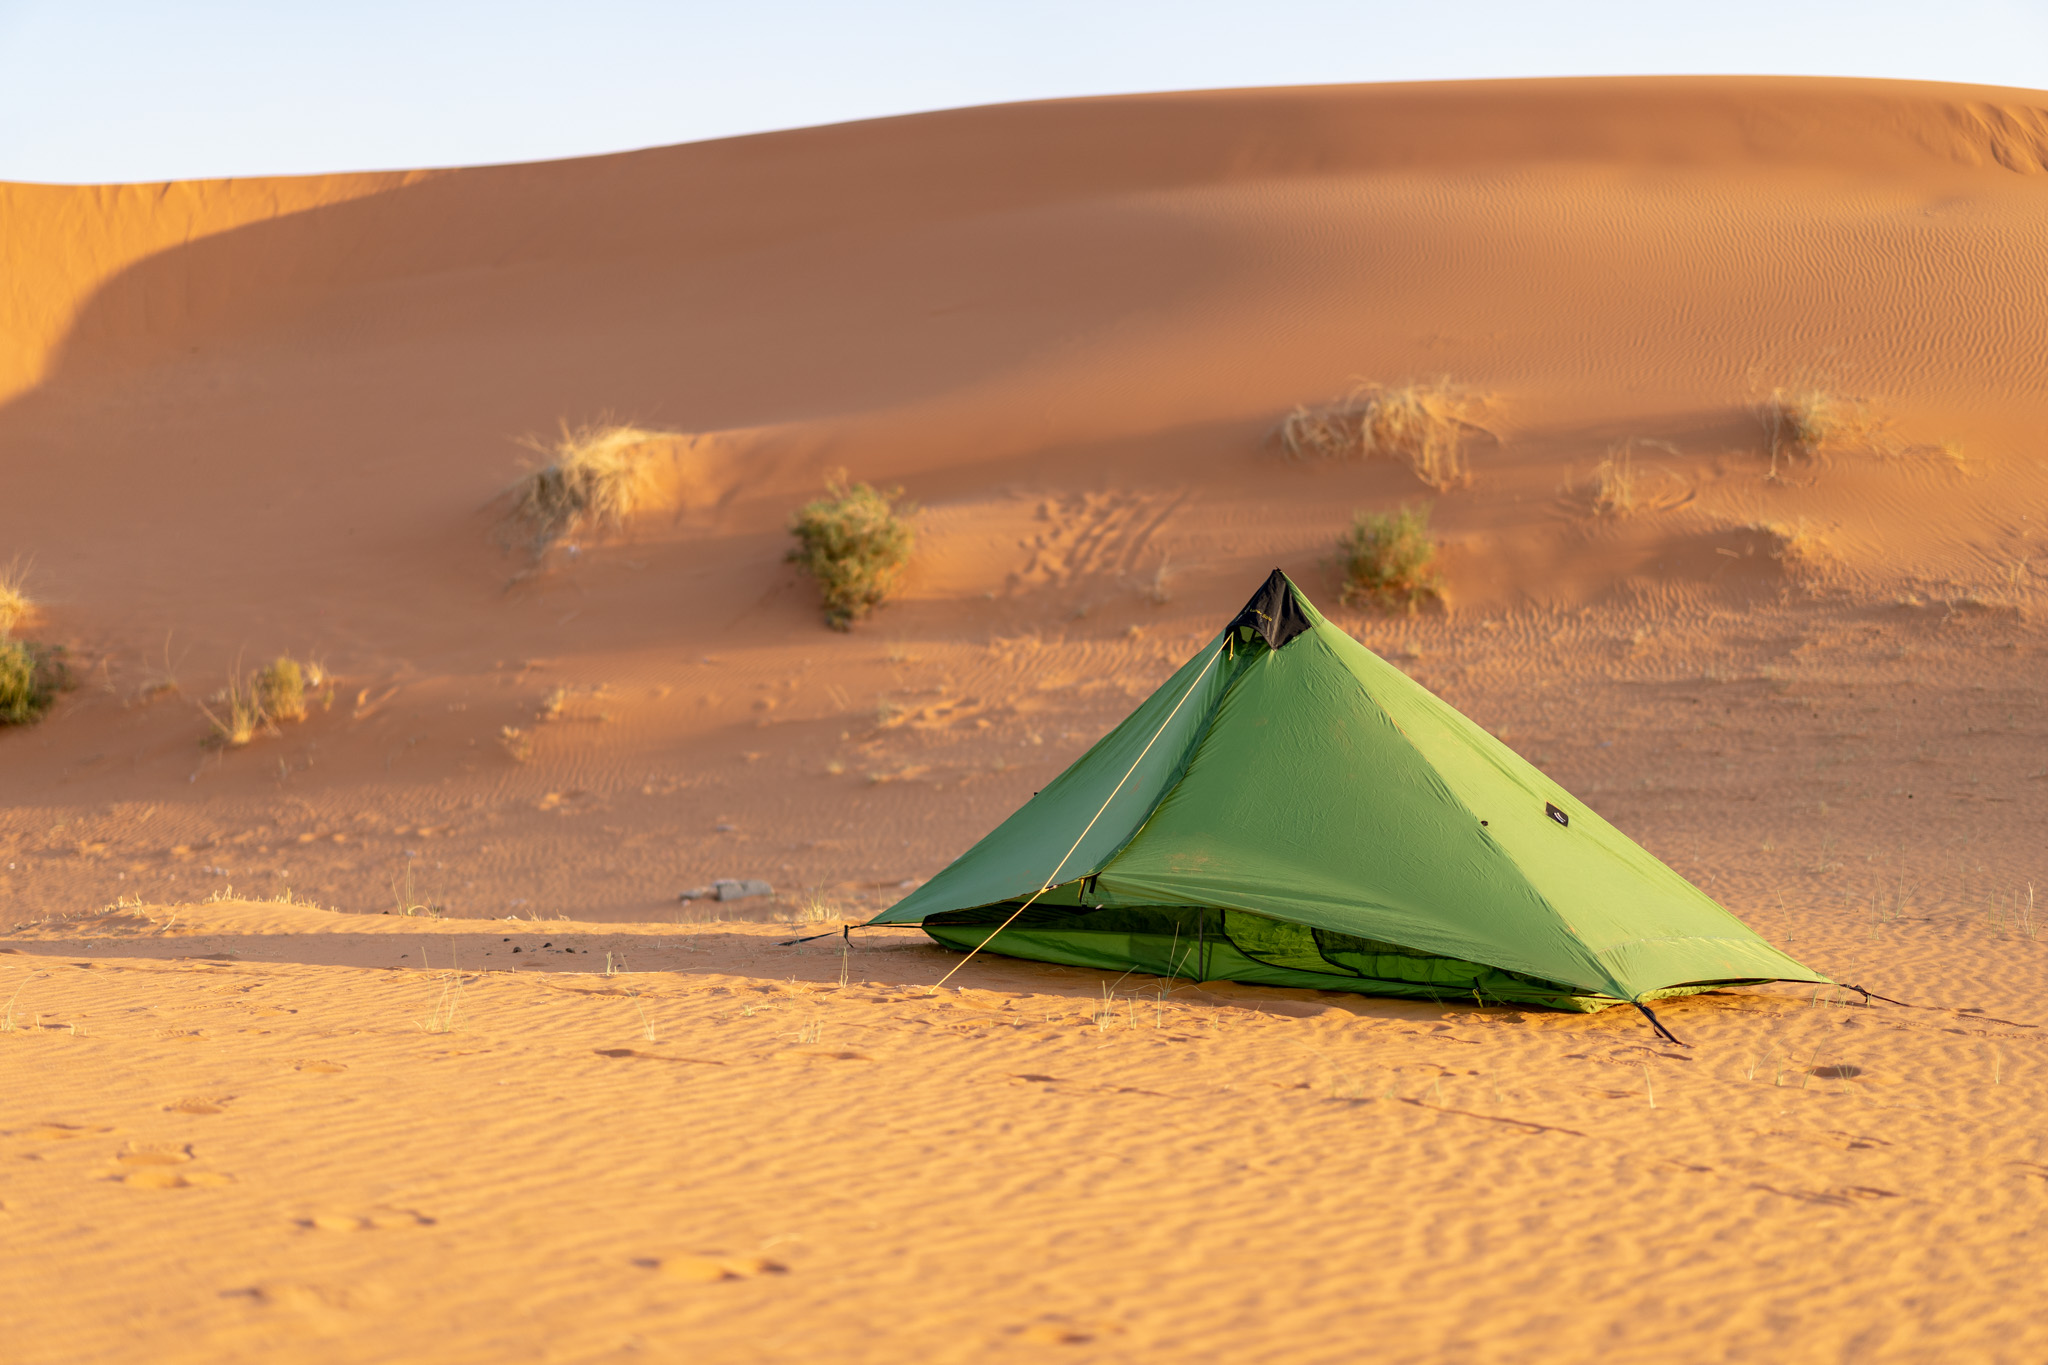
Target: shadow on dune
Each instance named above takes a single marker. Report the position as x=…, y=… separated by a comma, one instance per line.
x=897, y=963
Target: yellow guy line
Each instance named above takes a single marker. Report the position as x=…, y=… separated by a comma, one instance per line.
x=1053, y=880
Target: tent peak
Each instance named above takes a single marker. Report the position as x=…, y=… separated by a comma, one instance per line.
x=1274, y=611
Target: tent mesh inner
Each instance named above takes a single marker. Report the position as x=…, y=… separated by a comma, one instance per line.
x=1202, y=943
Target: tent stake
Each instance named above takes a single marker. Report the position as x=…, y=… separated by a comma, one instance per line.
x=1869, y=996
x=1662, y=1032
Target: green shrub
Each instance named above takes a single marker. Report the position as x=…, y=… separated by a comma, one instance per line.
x=281, y=689
x=1389, y=559
x=31, y=675
x=855, y=541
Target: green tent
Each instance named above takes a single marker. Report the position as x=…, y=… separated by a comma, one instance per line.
x=1291, y=810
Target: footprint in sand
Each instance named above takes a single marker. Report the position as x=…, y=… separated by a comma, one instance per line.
x=322, y=1303
x=375, y=1220
x=159, y=1166
x=161, y=1178
x=56, y=1132
x=711, y=1268
x=1055, y=1329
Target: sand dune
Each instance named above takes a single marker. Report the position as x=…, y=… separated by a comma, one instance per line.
x=250, y=417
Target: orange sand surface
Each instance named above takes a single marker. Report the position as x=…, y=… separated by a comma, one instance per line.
x=242, y=418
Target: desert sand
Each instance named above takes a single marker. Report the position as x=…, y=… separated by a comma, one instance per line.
x=250, y=1110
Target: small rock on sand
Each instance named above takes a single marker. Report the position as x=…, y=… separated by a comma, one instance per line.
x=728, y=889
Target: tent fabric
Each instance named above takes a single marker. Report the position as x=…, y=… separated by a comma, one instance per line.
x=1307, y=814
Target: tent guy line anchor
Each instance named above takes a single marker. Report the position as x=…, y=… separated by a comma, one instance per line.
x=1053, y=880
x=1658, y=1025
x=1869, y=996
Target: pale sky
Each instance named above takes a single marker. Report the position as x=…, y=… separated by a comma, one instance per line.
x=105, y=90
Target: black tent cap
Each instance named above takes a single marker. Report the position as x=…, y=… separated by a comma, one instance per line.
x=1274, y=611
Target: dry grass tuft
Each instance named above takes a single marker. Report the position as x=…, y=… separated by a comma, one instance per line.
x=856, y=542
x=1795, y=543
x=1424, y=425
x=593, y=477
x=240, y=717
x=815, y=909
x=15, y=604
x=249, y=704
x=1621, y=487
x=1805, y=423
x=1616, y=488
x=1389, y=560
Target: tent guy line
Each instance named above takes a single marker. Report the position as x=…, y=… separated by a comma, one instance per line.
x=1053, y=880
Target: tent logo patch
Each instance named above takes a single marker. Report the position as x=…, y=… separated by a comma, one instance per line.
x=1554, y=813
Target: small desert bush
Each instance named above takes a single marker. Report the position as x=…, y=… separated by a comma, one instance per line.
x=31, y=675
x=1389, y=559
x=592, y=477
x=856, y=542
x=281, y=689
x=1424, y=425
